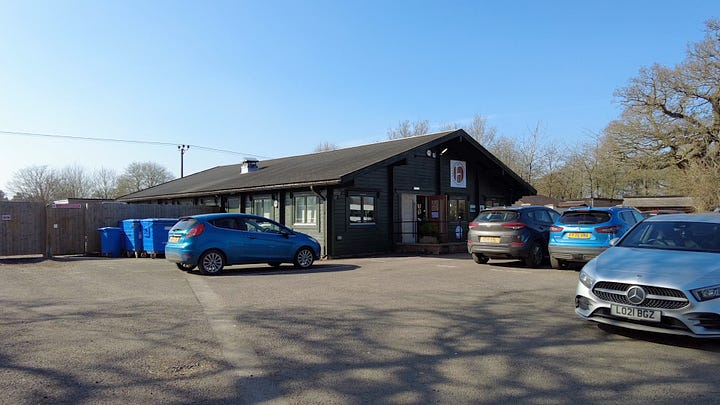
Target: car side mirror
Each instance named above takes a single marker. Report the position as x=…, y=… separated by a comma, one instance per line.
x=285, y=233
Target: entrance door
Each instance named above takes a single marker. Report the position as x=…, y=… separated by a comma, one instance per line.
x=437, y=215
x=408, y=217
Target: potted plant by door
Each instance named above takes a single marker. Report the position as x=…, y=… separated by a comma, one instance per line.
x=428, y=233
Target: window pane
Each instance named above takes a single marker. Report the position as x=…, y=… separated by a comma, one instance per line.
x=452, y=209
x=355, y=209
x=306, y=210
x=268, y=208
x=311, y=215
x=462, y=209
x=362, y=209
x=299, y=210
x=369, y=209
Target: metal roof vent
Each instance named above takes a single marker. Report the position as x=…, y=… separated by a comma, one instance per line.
x=249, y=165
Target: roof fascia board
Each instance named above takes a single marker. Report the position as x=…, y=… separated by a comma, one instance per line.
x=237, y=190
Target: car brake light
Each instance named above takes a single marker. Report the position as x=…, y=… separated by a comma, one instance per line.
x=514, y=225
x=556, y=228
x=472, y=224
x=608, y=229
x=195, y=231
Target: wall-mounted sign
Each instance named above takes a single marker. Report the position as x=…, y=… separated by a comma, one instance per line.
x=6, y=217
x=458, y=177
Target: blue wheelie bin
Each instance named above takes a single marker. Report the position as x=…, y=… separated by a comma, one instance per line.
x=110, y=241
x=155, y=235
x=132, y=237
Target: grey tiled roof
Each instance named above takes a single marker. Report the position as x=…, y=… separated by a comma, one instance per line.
x=321, y=168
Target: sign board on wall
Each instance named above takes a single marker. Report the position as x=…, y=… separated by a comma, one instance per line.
x=458, y=171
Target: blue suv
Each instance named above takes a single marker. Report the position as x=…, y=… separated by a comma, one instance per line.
x=582, y=233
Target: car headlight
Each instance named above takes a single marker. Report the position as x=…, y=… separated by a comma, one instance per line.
x=585, y=273
x=706, y=293
x=586, y=280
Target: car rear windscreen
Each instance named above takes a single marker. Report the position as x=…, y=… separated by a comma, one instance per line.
x=185, y=223
x=584, y=217
x=497, y=216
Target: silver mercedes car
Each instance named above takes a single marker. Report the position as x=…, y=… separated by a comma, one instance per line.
x=662, y=276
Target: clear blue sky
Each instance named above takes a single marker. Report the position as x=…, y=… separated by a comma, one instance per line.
x=277, y=78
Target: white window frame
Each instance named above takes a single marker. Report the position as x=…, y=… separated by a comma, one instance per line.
x=308, y=217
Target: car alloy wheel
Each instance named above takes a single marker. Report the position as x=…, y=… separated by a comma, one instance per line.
x=304, y=258
x=211, y=263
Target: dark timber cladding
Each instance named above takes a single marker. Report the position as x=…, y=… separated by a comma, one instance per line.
x=364, y=199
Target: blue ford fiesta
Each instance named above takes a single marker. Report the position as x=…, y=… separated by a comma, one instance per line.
x=213, y=241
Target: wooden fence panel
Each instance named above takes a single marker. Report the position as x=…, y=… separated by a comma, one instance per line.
x=22, y=228
x=66, y=229
x=28, y=228
x=110, y=214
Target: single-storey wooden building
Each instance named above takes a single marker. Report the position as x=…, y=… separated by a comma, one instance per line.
x=360, y=200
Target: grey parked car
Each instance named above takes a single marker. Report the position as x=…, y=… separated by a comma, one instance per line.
x=662, y=276
x=511, y=233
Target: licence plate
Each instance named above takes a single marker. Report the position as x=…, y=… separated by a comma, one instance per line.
x=174, y=238
x=490, y=239
x=640, y=314
x=578, y=235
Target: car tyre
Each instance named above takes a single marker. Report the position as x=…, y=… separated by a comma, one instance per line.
x=211, y=263
x=480, y=259
x=535, y=255
x=304, y=258
x=185, y=266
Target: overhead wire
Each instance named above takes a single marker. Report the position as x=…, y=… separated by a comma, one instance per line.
x=89, y=138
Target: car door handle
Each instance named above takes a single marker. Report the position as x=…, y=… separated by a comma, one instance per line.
x=252, y=237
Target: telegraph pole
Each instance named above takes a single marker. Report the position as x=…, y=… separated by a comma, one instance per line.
x=182, y=149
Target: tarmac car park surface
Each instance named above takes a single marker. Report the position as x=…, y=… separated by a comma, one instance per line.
x=387, y=330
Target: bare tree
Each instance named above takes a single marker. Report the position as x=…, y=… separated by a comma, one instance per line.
x=671, y=116
x=506, y=150
x=701, y=183
x=406, y=129
x=73, y=182
x=478, y=129
x=481, y=131
x=3, y=197
x=325, y=146
x=35, y=183
x=104, y=183
x=139, y=176
x=549, y=183
x=528, y=153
